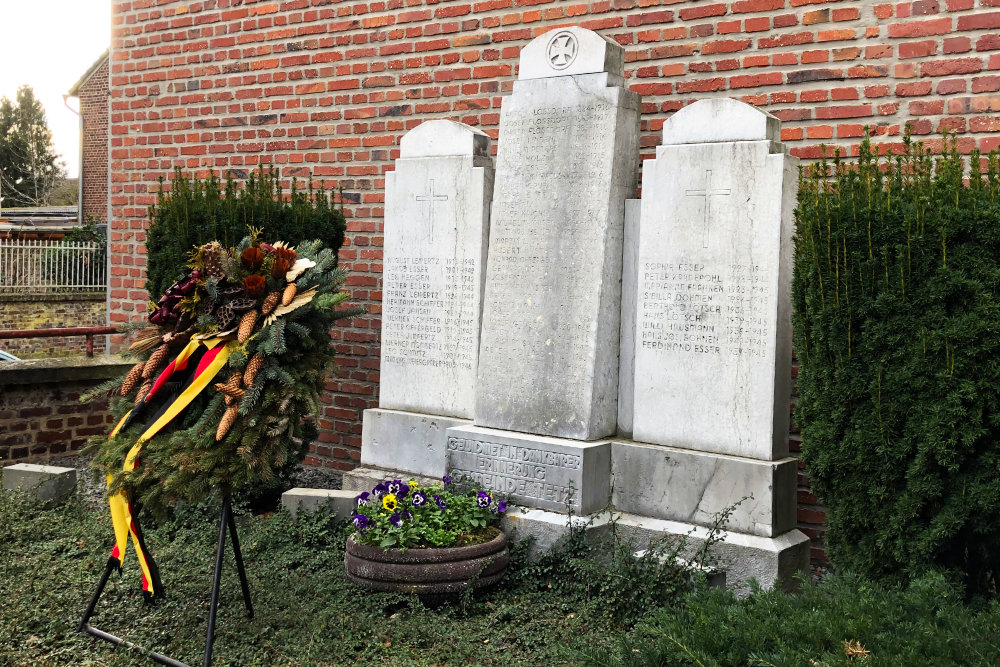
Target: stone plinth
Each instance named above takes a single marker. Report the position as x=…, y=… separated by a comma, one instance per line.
x=406, y=441
x=566, y=163
x=436, y=233
x=537, y=471
x=713, y=321
x=693, y=487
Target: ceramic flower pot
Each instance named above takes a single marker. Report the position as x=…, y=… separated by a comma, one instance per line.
x=426, y=571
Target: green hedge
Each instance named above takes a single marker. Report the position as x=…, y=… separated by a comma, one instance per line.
x=897, y=322
x=194, y=212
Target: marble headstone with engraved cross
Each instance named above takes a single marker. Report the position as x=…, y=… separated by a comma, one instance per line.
x=566, y=163
x=713, y=327
x=436, y=234
x=711, y=336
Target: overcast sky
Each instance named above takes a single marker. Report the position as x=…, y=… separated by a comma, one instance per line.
x=49, y=44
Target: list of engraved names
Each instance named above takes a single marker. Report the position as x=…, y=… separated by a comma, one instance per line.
x=697, y=308
x=429, y=311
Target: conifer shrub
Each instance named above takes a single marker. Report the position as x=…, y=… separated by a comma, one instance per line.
x=896, y=298
x=197, y=211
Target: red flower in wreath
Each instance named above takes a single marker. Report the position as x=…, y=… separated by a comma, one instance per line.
x=252, y=258
x=283, y=260
x=255, y=286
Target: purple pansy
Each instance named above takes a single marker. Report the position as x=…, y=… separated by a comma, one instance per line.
x=501, y=507
x=394, y=486
x=440, y=501
x=483, y=499
x=419, y=499
x=407, y=515
x=361, y=522
x=396, y=520
x=446, y=479
x=379, y=490
x=363, y=498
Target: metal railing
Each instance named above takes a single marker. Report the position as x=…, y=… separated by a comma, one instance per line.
x=37, y=266
x=89, y=332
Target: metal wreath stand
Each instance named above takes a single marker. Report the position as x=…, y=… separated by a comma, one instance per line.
x=225, y=520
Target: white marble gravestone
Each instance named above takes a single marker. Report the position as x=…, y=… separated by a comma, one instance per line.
x=711, y=335
x=713, y=322
x=436, y=234
x=565, y=165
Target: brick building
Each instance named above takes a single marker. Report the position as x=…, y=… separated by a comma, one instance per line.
x=92, y=91
x=325, y=89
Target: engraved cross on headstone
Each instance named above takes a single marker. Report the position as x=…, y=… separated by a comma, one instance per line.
x=707, y=193
x=430, y=198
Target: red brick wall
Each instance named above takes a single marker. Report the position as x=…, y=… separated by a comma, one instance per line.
x=94, y=160
x=328, y=87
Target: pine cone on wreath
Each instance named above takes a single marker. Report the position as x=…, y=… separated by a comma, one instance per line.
x=227, y=422
x=253, y=367
x=247, y=322
x=288, y=294
x=155, y=361
x=132, y=378
x=270, y=302
x=143, y=390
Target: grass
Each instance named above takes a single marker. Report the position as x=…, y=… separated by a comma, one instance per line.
x=307, y=613
x=565, y=609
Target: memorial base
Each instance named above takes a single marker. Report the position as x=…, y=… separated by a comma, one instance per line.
x=539, y=471
x=692, y=487
x=769, y=560
x=364, y=478
x=410, y=442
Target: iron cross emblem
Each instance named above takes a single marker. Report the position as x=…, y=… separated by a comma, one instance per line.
x=562, y=50
x=707, y=193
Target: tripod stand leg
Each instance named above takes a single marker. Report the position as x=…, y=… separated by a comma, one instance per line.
x=112, y=566
x=213, y=608
x=239, y=563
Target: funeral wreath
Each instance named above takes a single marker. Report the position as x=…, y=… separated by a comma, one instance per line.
x=227, y=375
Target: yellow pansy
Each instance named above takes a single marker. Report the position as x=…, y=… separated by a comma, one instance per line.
x=389, y=502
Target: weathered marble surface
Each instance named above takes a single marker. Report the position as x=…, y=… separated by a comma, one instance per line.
x=537, y=471
x=47, y=484
x=406, y=441
x=436, y=238
x=689, y=486
x=713, y=321
x=550, y=339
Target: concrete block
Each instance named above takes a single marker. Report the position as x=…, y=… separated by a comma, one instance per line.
x=48, y=484
x=337, y=501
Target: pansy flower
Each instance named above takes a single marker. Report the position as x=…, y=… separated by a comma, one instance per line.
x=407, y=516
x=446, y=479
x=413, y=484
x=440, y=501
x=396, y=520
x=361, y=522
x=483, y=499
x=394, y=486
x=419, y=499
x=389, y=502
x=379, y=490
x=501, y=507
x=364, y=498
